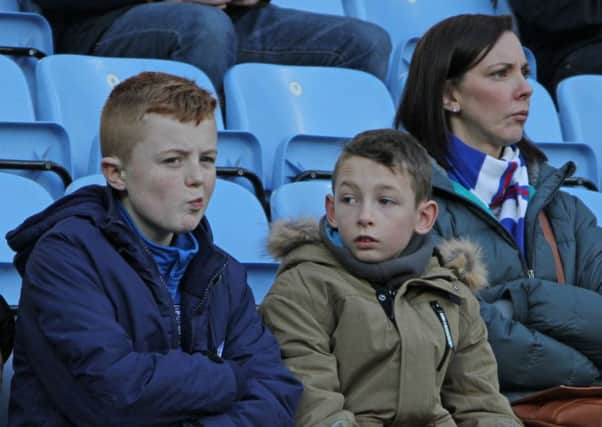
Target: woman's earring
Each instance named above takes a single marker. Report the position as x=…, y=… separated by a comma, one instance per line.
x=455, y=108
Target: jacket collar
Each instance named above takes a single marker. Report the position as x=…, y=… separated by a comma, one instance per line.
x=391, y=273
x=99, y=205
x=298, y=241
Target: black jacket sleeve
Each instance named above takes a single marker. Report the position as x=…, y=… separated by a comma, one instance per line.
x=7, y=329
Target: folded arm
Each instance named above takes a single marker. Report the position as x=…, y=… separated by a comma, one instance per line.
x=79, y=343
x=272, y=393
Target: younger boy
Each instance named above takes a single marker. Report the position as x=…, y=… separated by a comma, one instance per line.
x=129, y=314
x=379, y=325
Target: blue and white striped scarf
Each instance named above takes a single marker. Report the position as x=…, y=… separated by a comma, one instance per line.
x=501, y=184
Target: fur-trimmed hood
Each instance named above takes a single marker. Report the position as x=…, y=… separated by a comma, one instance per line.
x=287, y=239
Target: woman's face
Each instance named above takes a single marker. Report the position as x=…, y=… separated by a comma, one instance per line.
x=488, y=107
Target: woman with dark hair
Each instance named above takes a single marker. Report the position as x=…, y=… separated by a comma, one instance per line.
x=467, y=100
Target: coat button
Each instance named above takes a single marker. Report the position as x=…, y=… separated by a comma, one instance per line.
x=456, y=288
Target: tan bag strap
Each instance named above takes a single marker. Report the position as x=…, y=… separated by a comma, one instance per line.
x=549, y=235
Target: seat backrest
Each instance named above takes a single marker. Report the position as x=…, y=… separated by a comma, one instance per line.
x=592, y=199
x=26, y=198
x=277, y=102
x=297, y=200
x=238, y=222
x=543, y=123
x=82, y=181
x=25, y=37
x=579, y=104
x=75, y=98
x=240, y=227
x=331, y=7
x=9, y=6
x=582, y=155
x=37, y=142
x=15, y=102
x=408, y=18
x=24, y=29
x=306, y=157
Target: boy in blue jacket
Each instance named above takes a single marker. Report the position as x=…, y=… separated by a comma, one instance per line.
x=129, y=314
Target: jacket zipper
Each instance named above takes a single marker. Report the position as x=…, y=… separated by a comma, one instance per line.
x=449, y=339
x=200, y=307
x=177, y=340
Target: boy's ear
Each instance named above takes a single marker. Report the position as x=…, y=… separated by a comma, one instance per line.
x=426, y=216
x=329, y=203
x=112, y=169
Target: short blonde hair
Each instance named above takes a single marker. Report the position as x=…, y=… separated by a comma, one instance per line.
x=149, y=92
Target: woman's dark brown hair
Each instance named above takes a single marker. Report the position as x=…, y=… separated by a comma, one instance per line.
x=445, y=52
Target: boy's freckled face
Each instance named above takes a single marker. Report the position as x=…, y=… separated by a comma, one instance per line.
x=170, y=176
x=373, y=209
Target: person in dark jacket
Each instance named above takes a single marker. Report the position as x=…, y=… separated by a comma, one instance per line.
x=467, y=100
x=129, y=314
x=7, y=333
x=564, y=35
x=213, y=35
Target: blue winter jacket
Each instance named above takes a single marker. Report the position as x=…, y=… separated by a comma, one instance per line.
x=97, y=341
x=543, y=334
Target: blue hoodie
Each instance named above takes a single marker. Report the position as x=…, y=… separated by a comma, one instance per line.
x=97, y=340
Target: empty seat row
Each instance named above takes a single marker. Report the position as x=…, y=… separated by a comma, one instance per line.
x=296, y=113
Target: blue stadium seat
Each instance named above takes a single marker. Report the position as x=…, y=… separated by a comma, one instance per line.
x=306, y=157
x=279, y=102
x=582, y=155
x=543, y=123
x=297, y=200
x=579, y=104
x=409, y=19
x=27, y=145
x=26, y=37
x=331, y=7
x=15, y=103
x=38, y=151
x=75, y=99
x=9, y=6
x=240, y=226
x=592, y=199
x=26, y=198
x=82, y=181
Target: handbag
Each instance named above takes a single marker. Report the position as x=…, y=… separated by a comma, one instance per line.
x=561, y=405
